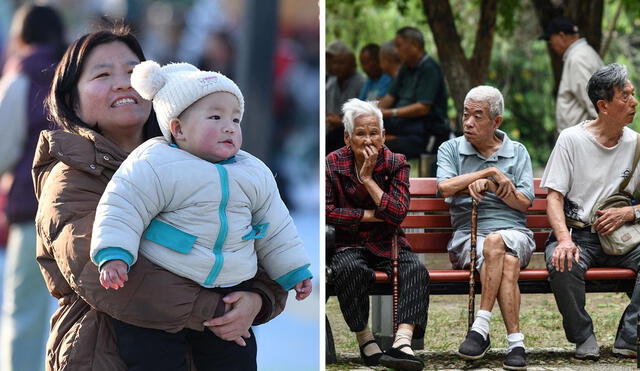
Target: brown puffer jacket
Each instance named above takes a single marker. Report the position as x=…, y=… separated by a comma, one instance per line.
x=70, y=174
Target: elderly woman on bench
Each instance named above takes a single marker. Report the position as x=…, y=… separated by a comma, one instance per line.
x=367, y=197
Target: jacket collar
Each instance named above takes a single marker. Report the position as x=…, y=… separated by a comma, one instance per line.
x=87, y=150
x=573, y=47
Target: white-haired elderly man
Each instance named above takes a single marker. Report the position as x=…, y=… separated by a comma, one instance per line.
x=367, y=197
x=497, y=171
x=589, y=162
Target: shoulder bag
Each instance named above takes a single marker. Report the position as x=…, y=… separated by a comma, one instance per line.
x=627, y=237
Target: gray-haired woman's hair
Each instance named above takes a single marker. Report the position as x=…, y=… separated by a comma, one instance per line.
x=487, y=94
x=602, y=83
x=355, y=108
x=389, y=49
x=338, y=47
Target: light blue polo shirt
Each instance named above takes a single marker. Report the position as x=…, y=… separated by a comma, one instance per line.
x=457, y=156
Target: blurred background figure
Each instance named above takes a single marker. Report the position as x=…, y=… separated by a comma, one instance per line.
x=344, y=83
x=389, y=59
x=579, y=62
x=377, y=82
x=270, y=48
x=35, y=46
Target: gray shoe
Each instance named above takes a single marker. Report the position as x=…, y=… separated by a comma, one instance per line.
x=588, y=349
x=622, y=348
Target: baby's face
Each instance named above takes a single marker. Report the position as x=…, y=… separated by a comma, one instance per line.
x=211, y=127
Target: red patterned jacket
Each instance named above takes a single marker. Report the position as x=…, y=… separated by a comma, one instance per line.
x=346, y=199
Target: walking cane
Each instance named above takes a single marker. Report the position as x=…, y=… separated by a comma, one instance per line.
x=394, y=281
x=472, y=266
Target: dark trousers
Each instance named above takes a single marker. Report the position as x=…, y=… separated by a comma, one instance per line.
x=144, y=349
x=569, y=287
x=354, y=273
x=413, y=136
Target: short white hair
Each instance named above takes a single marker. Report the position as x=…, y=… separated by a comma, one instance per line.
x=355, y=108
x=487, y=94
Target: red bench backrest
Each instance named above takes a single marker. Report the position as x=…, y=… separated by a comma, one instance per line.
x=430, y=214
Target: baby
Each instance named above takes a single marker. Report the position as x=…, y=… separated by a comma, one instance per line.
x=192, y=201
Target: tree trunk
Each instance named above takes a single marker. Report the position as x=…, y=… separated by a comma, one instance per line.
x=461, y=73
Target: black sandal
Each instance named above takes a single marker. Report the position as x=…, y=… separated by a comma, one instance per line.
x=372, y=360
x=398, y=360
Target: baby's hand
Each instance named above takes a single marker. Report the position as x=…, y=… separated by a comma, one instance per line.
x=113, y=274
x=303, y=289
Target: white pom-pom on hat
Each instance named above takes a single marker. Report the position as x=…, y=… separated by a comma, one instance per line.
x=148, y=78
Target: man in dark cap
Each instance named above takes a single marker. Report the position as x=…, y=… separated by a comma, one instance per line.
x=580, y=61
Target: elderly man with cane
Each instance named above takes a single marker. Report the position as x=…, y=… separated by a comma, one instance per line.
x=496, y=171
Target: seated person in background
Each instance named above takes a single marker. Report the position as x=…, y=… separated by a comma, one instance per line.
x=589, y=162
x=367, y=197
x=390, y=62
x=377, y=83
x=497, y=171
x=344, y=84
x=415, y=109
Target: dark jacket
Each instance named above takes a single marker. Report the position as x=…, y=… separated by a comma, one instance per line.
x=38, y=67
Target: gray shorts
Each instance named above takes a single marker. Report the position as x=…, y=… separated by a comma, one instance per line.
x=519, y=243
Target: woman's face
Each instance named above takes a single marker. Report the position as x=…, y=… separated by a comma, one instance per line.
x=105, y=96
x=366, y=133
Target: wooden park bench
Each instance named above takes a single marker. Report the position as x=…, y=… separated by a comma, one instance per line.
x=428, y=229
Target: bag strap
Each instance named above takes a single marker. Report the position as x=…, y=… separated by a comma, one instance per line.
x=636, y=157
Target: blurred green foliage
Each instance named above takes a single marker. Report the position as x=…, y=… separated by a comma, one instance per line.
x=520, y=64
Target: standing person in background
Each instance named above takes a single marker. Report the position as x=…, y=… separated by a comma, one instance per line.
x=580, y=61
x=389, y=60
x=344, y=84
x=377, y=83
x=38, y=34
x=415, y=109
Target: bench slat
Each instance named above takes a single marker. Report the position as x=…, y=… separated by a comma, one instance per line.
x=450, y=275
x=428, y=187
x=438, y=204
x=428, y=204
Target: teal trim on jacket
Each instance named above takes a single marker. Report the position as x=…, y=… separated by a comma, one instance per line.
x=222, y=234
x=258, y=231
x=290, y=279
x=113, y=253
x=169, y=236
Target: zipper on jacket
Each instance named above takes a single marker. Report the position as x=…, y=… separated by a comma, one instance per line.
x=222, y=233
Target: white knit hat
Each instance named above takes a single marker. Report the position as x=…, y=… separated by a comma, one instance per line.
x=176, y=86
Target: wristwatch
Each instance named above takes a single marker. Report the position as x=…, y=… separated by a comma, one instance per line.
x=394, y=112
x=636, y=213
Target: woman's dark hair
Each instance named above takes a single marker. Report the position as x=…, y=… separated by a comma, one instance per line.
x=63, y=95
